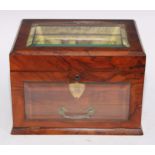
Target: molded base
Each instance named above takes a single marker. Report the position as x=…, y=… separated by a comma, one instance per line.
x=71, y=131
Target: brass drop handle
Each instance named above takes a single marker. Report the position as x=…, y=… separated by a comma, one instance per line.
x=90, y=112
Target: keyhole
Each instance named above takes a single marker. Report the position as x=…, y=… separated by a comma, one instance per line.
x=77, y=77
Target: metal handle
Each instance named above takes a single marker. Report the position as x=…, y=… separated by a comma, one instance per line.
x=90, y=112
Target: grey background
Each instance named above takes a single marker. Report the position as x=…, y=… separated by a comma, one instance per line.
x=9, y=24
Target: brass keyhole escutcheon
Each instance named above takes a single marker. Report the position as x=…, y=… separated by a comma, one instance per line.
x=77, y=88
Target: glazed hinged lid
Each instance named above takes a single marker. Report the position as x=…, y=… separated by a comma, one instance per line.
x=44, y=38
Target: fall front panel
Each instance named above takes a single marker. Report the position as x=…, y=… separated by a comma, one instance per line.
x=77, y=101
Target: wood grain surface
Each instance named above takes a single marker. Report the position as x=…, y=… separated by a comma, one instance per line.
x=63, y=64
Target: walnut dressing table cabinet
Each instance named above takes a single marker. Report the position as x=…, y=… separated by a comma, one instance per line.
x=77, y=77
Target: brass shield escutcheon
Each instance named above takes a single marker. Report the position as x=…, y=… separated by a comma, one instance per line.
x=76, y=89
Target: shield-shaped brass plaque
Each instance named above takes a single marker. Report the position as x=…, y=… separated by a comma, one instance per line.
x=76, y=89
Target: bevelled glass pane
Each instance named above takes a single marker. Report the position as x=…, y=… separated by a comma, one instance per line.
x=106, y=36
x=76, y=101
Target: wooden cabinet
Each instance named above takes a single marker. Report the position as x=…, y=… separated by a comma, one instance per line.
x=77, y=77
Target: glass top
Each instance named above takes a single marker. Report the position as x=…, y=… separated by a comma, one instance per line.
x=89, y=36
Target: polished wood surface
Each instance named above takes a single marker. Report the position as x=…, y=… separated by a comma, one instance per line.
x=43, y=102
x=62, y=65
x=77, y=131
